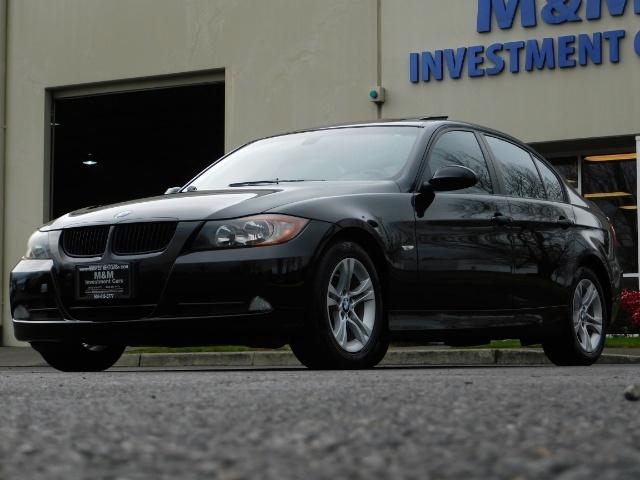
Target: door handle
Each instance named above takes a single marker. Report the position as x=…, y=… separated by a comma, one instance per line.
x=500, y=219
x=565, y=223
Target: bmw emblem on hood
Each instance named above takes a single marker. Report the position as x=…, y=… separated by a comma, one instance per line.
x=122, y=214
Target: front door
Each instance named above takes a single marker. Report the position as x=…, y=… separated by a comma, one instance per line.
x=463, y=237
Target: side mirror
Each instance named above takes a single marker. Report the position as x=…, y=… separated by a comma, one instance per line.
x=172, y=190
x=451, y=177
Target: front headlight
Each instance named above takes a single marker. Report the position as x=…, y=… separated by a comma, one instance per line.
x=38, y=246
x=249, y=232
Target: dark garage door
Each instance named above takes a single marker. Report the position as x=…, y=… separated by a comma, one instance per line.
x=119, y=146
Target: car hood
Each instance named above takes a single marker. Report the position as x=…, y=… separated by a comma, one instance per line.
x=211, y=205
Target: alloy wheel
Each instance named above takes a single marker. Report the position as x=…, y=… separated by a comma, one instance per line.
x=587, y=316
x=351, y=305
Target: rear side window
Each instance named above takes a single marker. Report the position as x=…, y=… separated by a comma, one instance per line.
x=551, y=183
x=520, y=175
x=461, y=148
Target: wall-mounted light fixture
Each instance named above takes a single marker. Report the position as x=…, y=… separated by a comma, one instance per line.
x=376, y=94
x=607, y=194
x=90, y=160
x=611, y=158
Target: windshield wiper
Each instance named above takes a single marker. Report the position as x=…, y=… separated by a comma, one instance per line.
x=268, y=182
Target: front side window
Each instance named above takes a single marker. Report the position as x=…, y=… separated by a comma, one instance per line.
x=461, y=148
x=520, y=175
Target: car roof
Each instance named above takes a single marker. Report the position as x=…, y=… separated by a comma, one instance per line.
x=427, y=121
x=412, y=121
x=433, y=122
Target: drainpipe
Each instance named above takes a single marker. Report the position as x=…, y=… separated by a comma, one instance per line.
x=3, y=98
x=379, y=51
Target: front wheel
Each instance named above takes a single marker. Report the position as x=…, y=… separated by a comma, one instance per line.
x=583, y=335
x=78, y=357
x=346, y=326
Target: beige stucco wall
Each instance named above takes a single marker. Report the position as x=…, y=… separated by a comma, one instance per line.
x=546, y=105
x=289, y=64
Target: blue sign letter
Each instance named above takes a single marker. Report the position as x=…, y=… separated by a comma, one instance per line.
x=614, y=38
x=493, y=56
x=557, y=11
x=566, y=50
x=540, y=56
x=588, y=49
x=475, y=60
x=414, y=66
x=455, y=61
x=505, y=12
x=615, y=7
x=432, y=63
x=514, y=55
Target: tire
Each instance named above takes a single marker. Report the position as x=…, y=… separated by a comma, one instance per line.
x=583, y=333
x=78, y=357
x=346, y=326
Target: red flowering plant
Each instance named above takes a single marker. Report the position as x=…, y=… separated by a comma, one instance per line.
x=630, y=303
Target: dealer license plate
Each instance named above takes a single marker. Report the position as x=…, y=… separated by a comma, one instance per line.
x=103, y=282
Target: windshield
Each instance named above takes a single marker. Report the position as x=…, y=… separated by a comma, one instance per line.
x=359, y=153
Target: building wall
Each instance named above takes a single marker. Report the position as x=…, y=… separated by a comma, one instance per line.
x=537, y=106
x=291, y=64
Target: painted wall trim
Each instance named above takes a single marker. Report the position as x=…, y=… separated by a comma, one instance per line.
x=136, y=84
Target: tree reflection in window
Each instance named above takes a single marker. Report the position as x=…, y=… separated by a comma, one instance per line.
x=461, y=148
x=568, y=168
x=555, y=191
x=520, y=175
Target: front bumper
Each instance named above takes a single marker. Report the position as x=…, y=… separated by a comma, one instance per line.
x=267, y=330
x=252, y=296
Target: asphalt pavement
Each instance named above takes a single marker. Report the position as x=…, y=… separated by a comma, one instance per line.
x=432, y=355
x=400, y=423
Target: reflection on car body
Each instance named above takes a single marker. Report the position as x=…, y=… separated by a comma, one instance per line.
x=335, y=241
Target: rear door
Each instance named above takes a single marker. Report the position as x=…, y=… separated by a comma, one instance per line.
x=542, y=227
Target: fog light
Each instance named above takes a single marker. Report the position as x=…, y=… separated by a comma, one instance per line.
x=21, y=313
x=259, y=304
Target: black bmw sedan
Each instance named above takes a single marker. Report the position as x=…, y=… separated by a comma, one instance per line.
x=335, y=241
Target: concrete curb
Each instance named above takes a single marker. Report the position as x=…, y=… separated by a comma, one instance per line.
x=399, y=357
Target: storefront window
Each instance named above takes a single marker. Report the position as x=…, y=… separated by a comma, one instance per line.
x=610, y=182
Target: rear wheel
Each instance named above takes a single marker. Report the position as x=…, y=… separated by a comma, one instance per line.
x=346, y=327
x=78, y=357
x=583, y=335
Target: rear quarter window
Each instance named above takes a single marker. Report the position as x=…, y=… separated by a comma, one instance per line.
x=555, y=190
